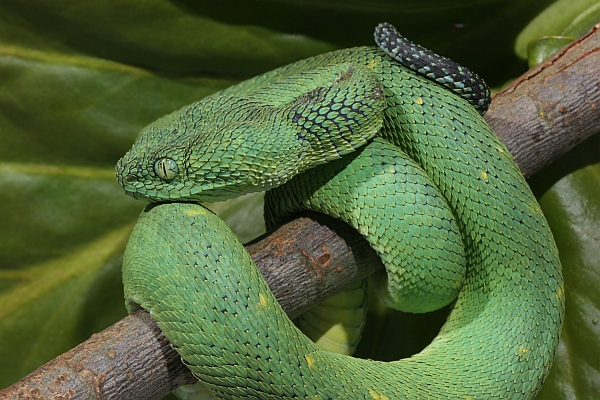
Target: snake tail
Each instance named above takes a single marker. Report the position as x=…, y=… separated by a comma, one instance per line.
x=440, y=69
x=337, y=323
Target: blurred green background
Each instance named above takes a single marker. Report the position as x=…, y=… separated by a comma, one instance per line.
x=78, y=81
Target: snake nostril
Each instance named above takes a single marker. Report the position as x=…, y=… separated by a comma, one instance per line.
x=130, y=178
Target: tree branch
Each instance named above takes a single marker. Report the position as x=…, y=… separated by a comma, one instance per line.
x=540, y=116
x=552, y=107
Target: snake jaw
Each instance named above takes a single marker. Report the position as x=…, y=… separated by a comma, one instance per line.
x=135, y=195
x=136, y=175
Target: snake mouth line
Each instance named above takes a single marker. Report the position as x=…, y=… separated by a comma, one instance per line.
x=135, y=195
x=152, y=202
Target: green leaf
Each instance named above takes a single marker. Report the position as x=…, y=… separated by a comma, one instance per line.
x=175, y=37
x=48, y=302
x=65, y=120
x=572, y=207
x=573, y=210
x=80, y=110
x=564, y=18
x=544, y=47
x=237, y=38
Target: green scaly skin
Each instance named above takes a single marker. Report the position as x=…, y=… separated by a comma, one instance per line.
x=489, y=241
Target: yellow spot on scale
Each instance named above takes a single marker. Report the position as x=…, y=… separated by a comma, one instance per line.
x=500, y=150
x=560, y=292
x=522, y=352
x=419, y=101
x=262, y=300
x=371, y=64
x=309, y=361
x=378, y=396
x=484, y=175
x=196, y=211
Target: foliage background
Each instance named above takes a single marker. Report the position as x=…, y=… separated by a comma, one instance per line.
x=78, y=80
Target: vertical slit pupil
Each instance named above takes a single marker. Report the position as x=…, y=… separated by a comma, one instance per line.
x=166, y=169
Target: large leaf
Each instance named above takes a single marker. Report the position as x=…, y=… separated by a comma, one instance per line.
x=572, y=207
x=78, y=80
x=65, y=121
x=240, y=38
x=565, y=18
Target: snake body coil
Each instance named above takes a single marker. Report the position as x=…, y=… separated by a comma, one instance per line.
x=408, y=163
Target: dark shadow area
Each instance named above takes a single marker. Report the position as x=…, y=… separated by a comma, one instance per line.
x=449, y=27
x=584, y=154
x=444, y=27
x=393, y=335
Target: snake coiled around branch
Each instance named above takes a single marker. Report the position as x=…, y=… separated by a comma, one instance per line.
x=399, y=152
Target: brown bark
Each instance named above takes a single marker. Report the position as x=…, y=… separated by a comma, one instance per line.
x=304, y=261
x=540, y=116
x=310, y=258
x=129, y=360
x=552, y=107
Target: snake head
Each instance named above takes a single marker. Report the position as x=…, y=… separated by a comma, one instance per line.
x=154, y=166
x=210, y=151
x=228, y=145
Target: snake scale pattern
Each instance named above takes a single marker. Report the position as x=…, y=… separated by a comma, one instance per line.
x=389, y=139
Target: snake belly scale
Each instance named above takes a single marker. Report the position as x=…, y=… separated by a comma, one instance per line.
x=397, y=151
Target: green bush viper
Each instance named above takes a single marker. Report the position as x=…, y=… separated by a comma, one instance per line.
x=388, y=139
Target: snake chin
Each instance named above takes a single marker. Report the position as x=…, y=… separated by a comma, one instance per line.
x=135, y=195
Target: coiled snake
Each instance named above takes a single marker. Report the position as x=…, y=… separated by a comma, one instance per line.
x=388, y=139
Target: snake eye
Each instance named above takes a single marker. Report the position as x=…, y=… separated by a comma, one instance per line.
x=166, y=169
